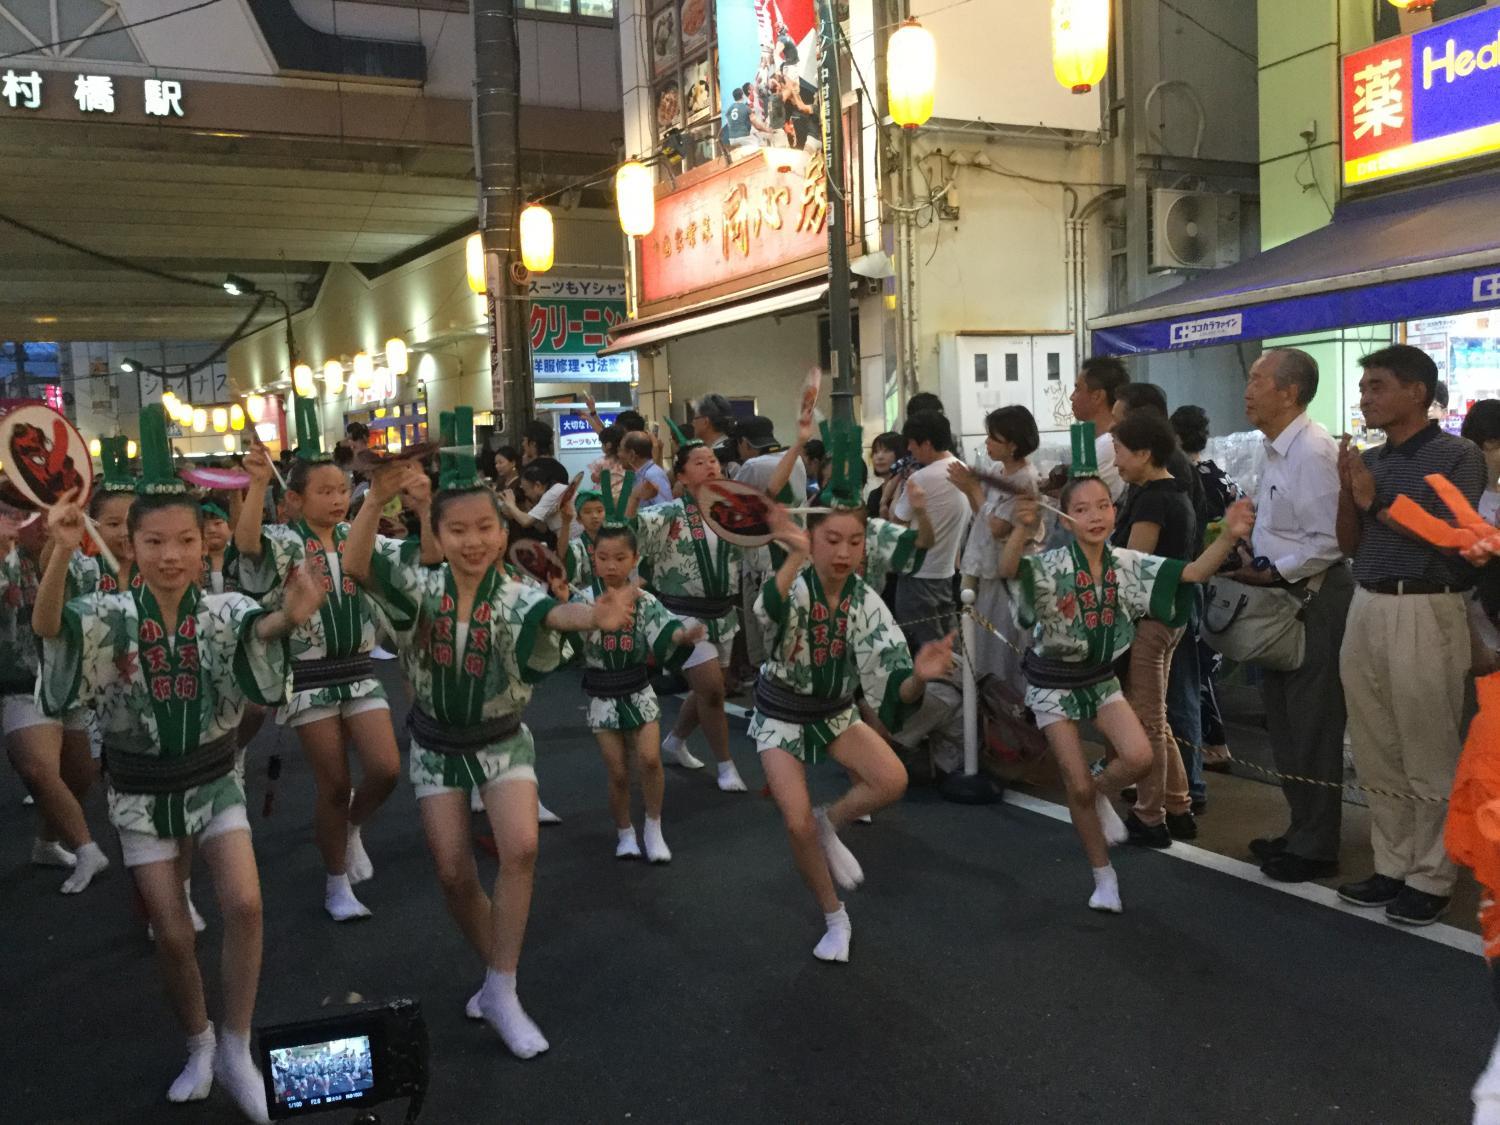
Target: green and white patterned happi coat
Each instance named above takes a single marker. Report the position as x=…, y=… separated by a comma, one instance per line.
x=95, y=663
x=347, y=623
x=649, y=635
x=20, y=654
x=578, y=561
x=890, y=549
x=1089, y=620
x=829, y=652
x=687, y=561
x=90, y=574
x=488, y=679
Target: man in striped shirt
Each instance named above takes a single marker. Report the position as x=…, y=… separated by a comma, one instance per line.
x=1406, y=645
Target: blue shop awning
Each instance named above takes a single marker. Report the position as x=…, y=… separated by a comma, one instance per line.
x=1428, y=251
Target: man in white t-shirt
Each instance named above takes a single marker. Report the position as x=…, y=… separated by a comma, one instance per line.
x=925, y=606
x=1094, y=392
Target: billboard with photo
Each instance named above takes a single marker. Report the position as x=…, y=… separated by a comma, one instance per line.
x=768, y=90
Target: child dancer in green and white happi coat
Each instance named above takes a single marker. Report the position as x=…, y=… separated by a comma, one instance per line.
x=828, y=635
x=168, y=672
x=335, y=696
x=695, y=574
x=623, y=712
x=473, y=641
x=1081, y=603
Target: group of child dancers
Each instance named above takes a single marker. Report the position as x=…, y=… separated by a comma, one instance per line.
x=176, y=658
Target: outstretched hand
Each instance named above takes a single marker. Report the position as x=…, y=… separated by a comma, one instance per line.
x=66, y=521
x=257, y=462
x=614, y=608
x=1028, y=513
x=691, y=634
x=934, y=660
x=785, y=530
x=304, y=596
x=1239, y=520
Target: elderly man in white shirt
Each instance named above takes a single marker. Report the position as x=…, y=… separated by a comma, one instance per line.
x=1295, y=545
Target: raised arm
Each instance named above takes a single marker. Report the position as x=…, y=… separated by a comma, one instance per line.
x=418, y=492
x=612, y=610
x=247, y=528
x=65, y=525
x=304, y=595
x=1028, y=515
x=1239, y=522
x=806, y=427
x=795, y=540
x=385, y=483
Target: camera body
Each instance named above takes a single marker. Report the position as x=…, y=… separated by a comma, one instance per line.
x=358, y=1057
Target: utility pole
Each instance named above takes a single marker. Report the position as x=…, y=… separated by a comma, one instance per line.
x=497, y=157
x=840, y=321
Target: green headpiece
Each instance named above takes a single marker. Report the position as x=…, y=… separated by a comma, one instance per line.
x=309, y=430
x=844, y=442
x=456, y=465
x=614, y=504
x=115, y=457
x=1085, y=457
x=682, y=440
x=158, y=473
x=212, y=511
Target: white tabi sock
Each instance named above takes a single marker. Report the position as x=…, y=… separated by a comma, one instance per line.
x=730, y=780
x=674, y=752
x=356, y=860
x=626, y=846
x=1109, y=820
x=90, y=862
x=476, y=801
x=199, y=925
x=1487, y=1092
x=339, y=900
x=49, y=853
x=502, y=1011
x=472, y=1010
x=656, y=845
x=842, y=865
x=1106, y=896
x=544, y=815
x=835, y=943
x=197, y=1078
x=237, y=1074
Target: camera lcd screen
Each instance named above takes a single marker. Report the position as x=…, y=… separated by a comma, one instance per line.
x=312, y=1076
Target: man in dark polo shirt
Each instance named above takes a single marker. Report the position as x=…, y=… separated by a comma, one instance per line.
x=1406, y=644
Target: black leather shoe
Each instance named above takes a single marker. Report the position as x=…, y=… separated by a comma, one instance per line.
x=1147, y=836
x=1289, y=868
x=1200, y=806
x=1182, y=826
x=1265, y=847
x=1417, y=908
x=1377, y=890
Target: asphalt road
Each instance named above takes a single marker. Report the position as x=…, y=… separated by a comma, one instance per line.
x=980, y=989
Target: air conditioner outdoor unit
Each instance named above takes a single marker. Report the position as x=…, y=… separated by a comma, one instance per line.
x=1194, y=230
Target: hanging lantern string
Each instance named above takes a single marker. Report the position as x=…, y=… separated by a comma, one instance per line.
x=600, y=177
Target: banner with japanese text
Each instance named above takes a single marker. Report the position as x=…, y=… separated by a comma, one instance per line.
x=567, y=322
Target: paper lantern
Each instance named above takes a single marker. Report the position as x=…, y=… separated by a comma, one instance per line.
x=1080, y=42
x=95, y=448
x=474, y=262
x=220, y=418
x=302, y=380
x=200, y=420
x=364, y=371
x=236, y=417
x=536, y=238
x=230, y=441
x=169, y=402
x=1412, y=5
x=396, y=357
x=911, y=74
x=184, y=415
x=255, y=406
x=635, y=198
x=333, y=377
x=130, y=449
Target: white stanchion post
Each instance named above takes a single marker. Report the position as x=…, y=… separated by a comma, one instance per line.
x=970, y=686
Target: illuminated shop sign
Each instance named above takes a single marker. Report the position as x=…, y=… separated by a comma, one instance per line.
x=1423, y=100
x=91, y=93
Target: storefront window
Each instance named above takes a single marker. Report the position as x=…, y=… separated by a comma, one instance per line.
x=591, y=9
x=1466, y=349
x=685, y=78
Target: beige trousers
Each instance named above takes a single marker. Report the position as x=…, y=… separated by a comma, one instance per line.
x=1403, y=666
x=1164, y=788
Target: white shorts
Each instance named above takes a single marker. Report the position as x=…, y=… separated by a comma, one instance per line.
x=514, y=773
x=141, y=848
x=1045, y=719
x=706, y=650
x=346, y=710
x=17, y=712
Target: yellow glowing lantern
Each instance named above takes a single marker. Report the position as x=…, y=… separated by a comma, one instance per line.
x=635, y=198
x=169, y=402
x=255, y=406
x=302, y=380
x=333, y=377
x=1412, y=5
x=396, y=358
x=230, y=441
x=220, y=418
x=1080, y=42
x=536, y=238
x=911, y=74
x=184, y=415
x=130, y=449
x=474, y=262
x=95, y=448
x=200, y=420
x=364, y=371
x=236, y=417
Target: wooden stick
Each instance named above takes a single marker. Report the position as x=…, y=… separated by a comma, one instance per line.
x=109, y=557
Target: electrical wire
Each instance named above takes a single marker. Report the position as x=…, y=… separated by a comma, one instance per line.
x=109, y=30
x=214, y=356
x=100, y=255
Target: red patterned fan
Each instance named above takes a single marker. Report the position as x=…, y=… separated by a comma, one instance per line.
x=536, y=559
x=368, y=460
x=45, y=457
x=736, y=512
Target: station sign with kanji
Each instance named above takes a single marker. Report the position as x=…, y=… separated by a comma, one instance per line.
x=27, y=90
x=1422, y=100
